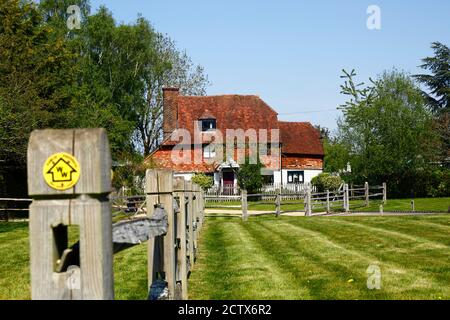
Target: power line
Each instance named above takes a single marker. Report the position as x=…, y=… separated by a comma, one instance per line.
x=310, y=111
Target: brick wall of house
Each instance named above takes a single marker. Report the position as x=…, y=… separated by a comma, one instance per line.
x=301, y=162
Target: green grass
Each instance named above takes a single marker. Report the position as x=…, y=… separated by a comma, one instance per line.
x=282, y=258
x=130, y=266
x=323, y=258
x=421, y=204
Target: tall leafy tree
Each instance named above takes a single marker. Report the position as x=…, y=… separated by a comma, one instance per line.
x=438, y=82
x=36, y=73
x=170, y=68
x=389, y=132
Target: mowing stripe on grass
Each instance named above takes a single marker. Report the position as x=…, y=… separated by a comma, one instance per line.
x=424, y=243
x=428, y=269
x=297, y=254
x=233, y=267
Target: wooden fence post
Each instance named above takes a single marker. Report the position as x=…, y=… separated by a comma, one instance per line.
x=384, y=193
x=308, y=201
x=190, y=217
x=159, y=189
x=328, y=201
x=244, y=205
x=366, y=194
x=69, y=179
x=182, y=271
x=278, y=205
x=346, y=198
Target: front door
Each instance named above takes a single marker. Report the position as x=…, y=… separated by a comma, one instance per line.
x=228, y=182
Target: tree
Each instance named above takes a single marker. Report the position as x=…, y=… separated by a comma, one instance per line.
x=170, y=68
x=204, y=181
x=36, y=72
x=438, y=82
x=326, y=181
x=249, y=176
x=337, y=155
x=389, y=133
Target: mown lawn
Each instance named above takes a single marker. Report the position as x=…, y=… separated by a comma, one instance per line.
x=323, y=258
x=421, y=204
x=282, y=258
x=130, y=266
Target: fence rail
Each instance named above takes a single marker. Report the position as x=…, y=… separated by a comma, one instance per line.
x=328, y=200
x=291, y=191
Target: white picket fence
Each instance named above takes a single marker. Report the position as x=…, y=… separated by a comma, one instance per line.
x=291, y=191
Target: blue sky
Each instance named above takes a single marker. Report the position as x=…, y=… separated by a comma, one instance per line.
x=291, y=53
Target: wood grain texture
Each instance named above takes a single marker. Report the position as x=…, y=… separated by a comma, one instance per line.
x=95, y=278
x=244, y=205
x=159, y=187
x=182, y=271
x=85, y=205
x=42, y=144
x=190, y=224
x=91, y=149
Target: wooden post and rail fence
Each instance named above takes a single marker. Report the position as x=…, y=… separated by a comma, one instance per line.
x=69, y=181
x=326, y=201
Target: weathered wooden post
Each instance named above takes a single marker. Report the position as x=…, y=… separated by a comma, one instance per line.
x=195, y=212
x=413, y=206
x=69, y=179
x=384, y=193
x=182, y=271
x=278, y=205
x=190, y=217
x=366, y=194
x=244, y=205
x=159, y=191
x=328, y=201
x=346, y=198
x=308, y=201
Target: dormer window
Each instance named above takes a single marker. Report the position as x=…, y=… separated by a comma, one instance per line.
x=208, y=124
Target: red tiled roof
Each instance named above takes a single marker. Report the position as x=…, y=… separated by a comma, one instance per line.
x=300, y=138
x=230, y=112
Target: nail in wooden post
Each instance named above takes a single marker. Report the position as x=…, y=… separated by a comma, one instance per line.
x=69, y=179
x=244, y=205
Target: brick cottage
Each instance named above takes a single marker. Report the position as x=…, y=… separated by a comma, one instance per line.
x=298, y=158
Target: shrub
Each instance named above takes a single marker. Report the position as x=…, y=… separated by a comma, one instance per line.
x=326, y=181
x=250, y=178
x=204, y=181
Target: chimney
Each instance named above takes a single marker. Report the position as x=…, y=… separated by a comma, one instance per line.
x=170, y=110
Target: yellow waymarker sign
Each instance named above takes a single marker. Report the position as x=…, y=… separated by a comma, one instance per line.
x=61, y=171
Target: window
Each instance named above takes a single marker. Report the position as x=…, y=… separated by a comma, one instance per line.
x=209, y=151
x=208, y=124
x=295, y=176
